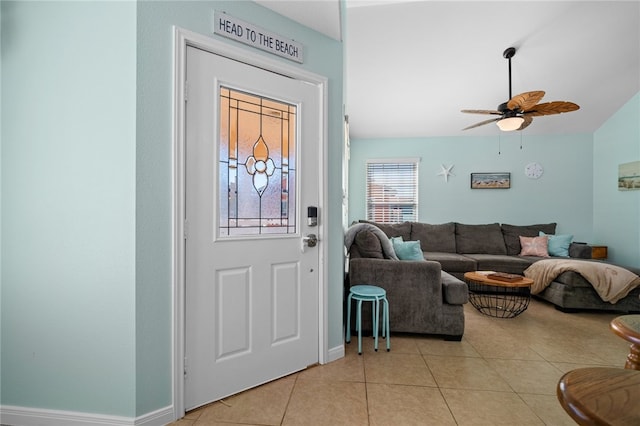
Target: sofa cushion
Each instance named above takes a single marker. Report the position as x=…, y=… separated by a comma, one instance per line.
x=502, y=263
x=534, y=246
x=581, y=296
x=573, y=279
x=512, y=233
x=486, y=239
x=394, y=229
x=558, y=245
x=441, y=237
x=366, y=244
x=452, y=262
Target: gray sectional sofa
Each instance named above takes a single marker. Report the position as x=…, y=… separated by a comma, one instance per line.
x=422, y=298
x=458, y=248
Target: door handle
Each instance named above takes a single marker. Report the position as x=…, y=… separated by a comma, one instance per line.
x=310, y=240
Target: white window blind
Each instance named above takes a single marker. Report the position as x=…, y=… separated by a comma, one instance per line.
x=392, y=190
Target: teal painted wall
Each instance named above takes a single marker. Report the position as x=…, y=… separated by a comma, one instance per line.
x=583, y=166
x=563, y=194
x=617, y=213
x=68, y=206
x=86, y=193
x=86, y=196
x=153, y=234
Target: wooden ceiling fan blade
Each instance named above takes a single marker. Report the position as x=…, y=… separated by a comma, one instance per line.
x=482, y=123
x=550, y=108
x=527, y=120
x=525, y=101
x=481, y=111
x=525, y=106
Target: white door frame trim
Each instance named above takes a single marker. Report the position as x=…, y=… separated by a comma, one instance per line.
x=181, y=39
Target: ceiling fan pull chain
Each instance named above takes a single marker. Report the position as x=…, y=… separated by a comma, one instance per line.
x=520, y=140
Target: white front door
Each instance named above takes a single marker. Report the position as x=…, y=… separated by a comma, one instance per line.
x=253, y=139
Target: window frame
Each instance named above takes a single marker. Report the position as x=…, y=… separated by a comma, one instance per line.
x=374, y=208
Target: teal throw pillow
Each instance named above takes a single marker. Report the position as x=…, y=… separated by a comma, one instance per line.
x=558, y=244
x=407, y=250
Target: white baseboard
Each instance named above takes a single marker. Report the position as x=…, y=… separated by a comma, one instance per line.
x=24, y=416
x=335, y=353
x=156, y=418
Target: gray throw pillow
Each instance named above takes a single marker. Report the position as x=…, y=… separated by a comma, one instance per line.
x=480, y=239
x=394, y=229
x=440, y=238
x=368, y=245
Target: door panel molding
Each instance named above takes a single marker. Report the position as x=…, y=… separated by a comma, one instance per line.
x=233, y=289
x=285, y=298
x=181, y=39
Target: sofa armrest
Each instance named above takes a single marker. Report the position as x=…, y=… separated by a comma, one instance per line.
x=580, y=250
x=406, y=278
x=455, y=291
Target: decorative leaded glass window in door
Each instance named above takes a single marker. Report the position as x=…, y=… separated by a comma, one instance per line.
x=257, y=165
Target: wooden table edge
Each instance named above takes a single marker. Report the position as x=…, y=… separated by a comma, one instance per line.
x=628, y=334
x=483, y=279
x=581, y=410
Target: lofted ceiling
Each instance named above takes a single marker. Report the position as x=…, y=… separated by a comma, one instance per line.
x=411, y=66
x=320, y=15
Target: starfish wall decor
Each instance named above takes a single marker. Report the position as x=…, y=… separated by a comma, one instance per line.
x=446, y=172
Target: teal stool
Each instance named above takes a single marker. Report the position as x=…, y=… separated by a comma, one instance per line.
x=369, y=293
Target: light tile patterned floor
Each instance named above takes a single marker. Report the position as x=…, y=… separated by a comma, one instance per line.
x=503, y=372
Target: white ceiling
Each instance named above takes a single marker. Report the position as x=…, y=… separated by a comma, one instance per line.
x=411, y=66
x=320, y=15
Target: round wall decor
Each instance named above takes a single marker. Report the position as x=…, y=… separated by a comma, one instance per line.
x=533, y=170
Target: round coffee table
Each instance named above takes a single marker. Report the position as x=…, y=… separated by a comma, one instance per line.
x=496, y=298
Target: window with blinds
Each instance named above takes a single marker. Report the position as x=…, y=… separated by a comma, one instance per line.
x=392, y=190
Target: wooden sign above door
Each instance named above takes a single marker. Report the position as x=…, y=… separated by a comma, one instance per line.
x=244, y=32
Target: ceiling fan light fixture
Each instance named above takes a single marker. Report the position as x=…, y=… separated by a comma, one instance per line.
x=510, y=124
x=518, y=112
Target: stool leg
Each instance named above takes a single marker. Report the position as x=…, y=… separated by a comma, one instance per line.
x=359, y=326
x=348, y=331
x=375, y=324
x=373, y=321
x=384, y=317
x=386, y=320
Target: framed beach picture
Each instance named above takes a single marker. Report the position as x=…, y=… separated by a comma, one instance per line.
x=500, y=180
x=629, y=176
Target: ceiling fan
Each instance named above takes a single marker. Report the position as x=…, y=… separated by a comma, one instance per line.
x=518, y=112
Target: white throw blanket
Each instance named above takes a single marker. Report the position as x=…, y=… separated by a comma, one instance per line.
x=611, y=282
x=353, y=230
